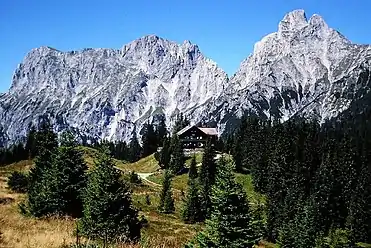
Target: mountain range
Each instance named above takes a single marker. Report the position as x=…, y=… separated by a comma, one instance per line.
x=304, y=69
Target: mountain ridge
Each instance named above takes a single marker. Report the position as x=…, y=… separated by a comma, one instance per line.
x=305, y=68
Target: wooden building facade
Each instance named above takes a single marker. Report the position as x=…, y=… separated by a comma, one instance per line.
x=196, y=137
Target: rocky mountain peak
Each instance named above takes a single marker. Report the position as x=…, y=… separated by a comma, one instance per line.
x=295, y=25
x=299, y=70
x=108, y=93
x=317, y=21
x=305, y=68
x=293, y=21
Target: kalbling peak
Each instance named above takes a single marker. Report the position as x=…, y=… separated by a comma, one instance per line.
x=317, y=20
x=304, y=69
x=296, y=21
x=293, y=21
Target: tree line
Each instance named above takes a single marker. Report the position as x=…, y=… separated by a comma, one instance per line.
x=316, y=178
x=60, y=184
x=153, y=135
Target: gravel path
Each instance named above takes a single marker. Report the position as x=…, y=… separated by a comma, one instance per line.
x=144, y=177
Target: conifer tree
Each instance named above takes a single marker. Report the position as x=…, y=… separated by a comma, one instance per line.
x=229, y=225
x=161, y=131
x=359, y=219
x=120, y=150
x=18, y=182
x=108, y=213
x=165, y=155
x=177, y=156
x=166, y=197
x=191, y=208
x=306, y=226
x=42, y=194
x=193, y=174
x=206, y=179
x=135, y=150
x=149, y=140
x=70, y=175
x=237, y=146
x=180, y=123
x=31, y=142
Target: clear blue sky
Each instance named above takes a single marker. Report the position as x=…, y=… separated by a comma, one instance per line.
x=225, y=30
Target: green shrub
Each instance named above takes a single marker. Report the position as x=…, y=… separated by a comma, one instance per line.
x=134, y=178
x=18, y=182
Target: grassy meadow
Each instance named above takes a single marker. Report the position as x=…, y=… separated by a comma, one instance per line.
x=162, y=230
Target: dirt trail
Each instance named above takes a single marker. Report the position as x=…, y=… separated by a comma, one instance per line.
x=144, y=177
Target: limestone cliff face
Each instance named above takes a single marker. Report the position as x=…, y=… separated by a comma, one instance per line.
x=305, y=68
x=105, y=93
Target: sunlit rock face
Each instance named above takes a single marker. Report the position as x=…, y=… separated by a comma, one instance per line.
x=106, y=93
x=304, y=69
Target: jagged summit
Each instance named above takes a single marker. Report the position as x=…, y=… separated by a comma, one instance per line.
x=108, y=93
x=306, y=68
x=296, y=20
x=299, y=70
x=293, y=21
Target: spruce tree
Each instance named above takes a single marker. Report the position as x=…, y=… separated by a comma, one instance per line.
x=108, y=213
x=135, y=150
x=237, y=146
x=191, y=208
x=164, y=156
x=177, y=156
x=161, y=130
x=31, y=142
x=207, y=179
x=359, y=218
x=166, y=197
x=149, y=140
x=229, y=224
x=180, y=123
x=18, y=182
x=120, y=150
x=42, y=194
x=70, y=174
x=193, y=174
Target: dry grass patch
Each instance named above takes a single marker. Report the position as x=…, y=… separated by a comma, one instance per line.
x=17, y=230
x=23, y=165
x=23, y=232
x=89, y=155
x=169, y=228
x=178, y=182
x=145, y=165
